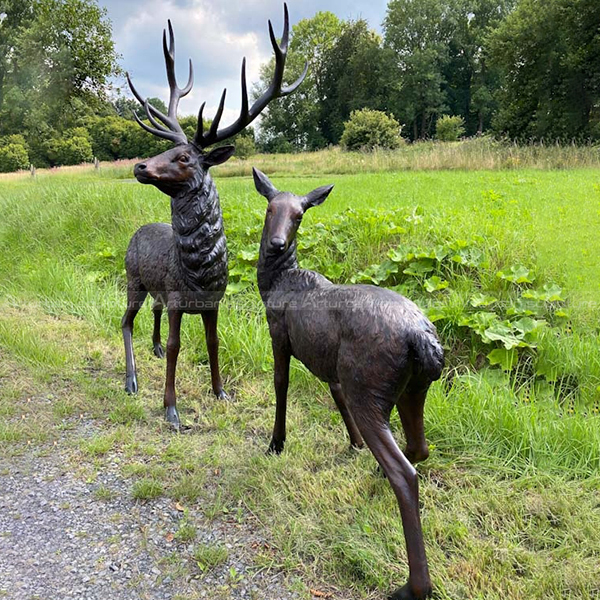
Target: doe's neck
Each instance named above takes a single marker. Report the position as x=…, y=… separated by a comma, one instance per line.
x=271, y=265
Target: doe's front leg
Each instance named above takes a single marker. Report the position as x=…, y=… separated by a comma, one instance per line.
x=282, y=378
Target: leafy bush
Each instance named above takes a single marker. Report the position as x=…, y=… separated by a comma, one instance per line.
x=73, y=148
x=368, y=129
x=14, y=153
x=449, y=129
x=244, y=147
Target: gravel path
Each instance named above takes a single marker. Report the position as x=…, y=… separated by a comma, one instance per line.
x=58, y=540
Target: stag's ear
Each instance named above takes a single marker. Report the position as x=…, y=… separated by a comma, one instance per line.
x=263, y=185
x=218, y=156
x=316, y=197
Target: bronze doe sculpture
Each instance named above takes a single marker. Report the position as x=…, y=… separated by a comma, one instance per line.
x=372, y=346
x=184, y=265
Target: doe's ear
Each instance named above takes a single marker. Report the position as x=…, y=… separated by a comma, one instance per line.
x=263, y=185
x=316, y=197
x=218, y=156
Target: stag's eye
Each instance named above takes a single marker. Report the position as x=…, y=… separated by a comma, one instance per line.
x=184, y=158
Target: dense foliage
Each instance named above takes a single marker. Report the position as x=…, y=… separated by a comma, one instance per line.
x=449, y=129
x=442, y=68
x=369, y=129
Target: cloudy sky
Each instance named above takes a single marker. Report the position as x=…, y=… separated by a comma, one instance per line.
x=216, y=36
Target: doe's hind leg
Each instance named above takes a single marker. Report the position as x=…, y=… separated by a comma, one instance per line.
x=410, y=408
x=135, y=299
x=375, y=429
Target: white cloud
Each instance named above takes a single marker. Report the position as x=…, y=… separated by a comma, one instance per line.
x=216, y=36
x=200, y=34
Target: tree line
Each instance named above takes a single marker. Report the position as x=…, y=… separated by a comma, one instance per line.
x=518, y=68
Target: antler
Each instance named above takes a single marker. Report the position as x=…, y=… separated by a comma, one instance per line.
x=173, y=130
x=202, y=140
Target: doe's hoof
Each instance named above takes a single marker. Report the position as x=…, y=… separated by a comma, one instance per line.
x=158, y=351
x=222, y=395
x=276, y=447
x=131, y=386
x=406, y=592
x=173, y=418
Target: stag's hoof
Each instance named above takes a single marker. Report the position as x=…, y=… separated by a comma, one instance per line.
x=173, y=418
x=276, y=447
x=222, y=395
x=406, y=592
x=131, y=386
x=158, y=351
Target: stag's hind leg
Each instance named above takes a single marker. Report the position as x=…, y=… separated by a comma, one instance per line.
x=410, y=408
x=156, y=343
x=373, y=422
x=135, y=299
x=209, y=318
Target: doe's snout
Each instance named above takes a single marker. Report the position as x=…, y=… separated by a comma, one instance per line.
x=278, y=244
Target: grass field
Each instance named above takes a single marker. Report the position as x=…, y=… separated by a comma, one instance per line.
x=509, y=495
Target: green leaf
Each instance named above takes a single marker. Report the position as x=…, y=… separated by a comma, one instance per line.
x=419, y=268
x=435, y=283
x=250, y=254
x=376, y=273
x=507, y=359
x=517, y=275
x=549, y=293
x=504, y=333
x=482, y=300
x=479, y=321
x=334, y=270
x=234, y=287
x=400, y=255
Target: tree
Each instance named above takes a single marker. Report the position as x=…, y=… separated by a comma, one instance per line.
x=441, y=60
x=56, y=60
x=294, y=122
x=357, y=74
x=419, y=33
x=470, y=81
x=550, y=60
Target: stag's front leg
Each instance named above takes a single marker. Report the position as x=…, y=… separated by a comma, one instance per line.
x=135, y=299
x=210, y=318
x=282, y=379
x=173, y=344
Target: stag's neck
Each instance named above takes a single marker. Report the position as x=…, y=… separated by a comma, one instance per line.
x=199, y=236
x=272, y=266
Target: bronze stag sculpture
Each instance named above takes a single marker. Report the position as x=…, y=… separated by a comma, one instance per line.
x=372, y=346
x=184, y=265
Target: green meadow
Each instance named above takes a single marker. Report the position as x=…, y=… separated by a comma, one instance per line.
x=504, y=257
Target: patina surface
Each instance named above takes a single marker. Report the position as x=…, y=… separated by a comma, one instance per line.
x=183, y=266
x=374, y=348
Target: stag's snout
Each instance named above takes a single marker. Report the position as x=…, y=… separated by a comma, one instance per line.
x=142, y=173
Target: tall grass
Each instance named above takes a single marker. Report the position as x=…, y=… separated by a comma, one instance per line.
x=510, y=491
x=483, y=153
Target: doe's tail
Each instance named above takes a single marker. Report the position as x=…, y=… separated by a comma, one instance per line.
x=427, y=351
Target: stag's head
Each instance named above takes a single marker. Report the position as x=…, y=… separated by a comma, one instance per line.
x=186, y=164
x=284, y=212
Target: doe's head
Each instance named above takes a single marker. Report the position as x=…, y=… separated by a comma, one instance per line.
x=180, y=168
x=285, y=211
